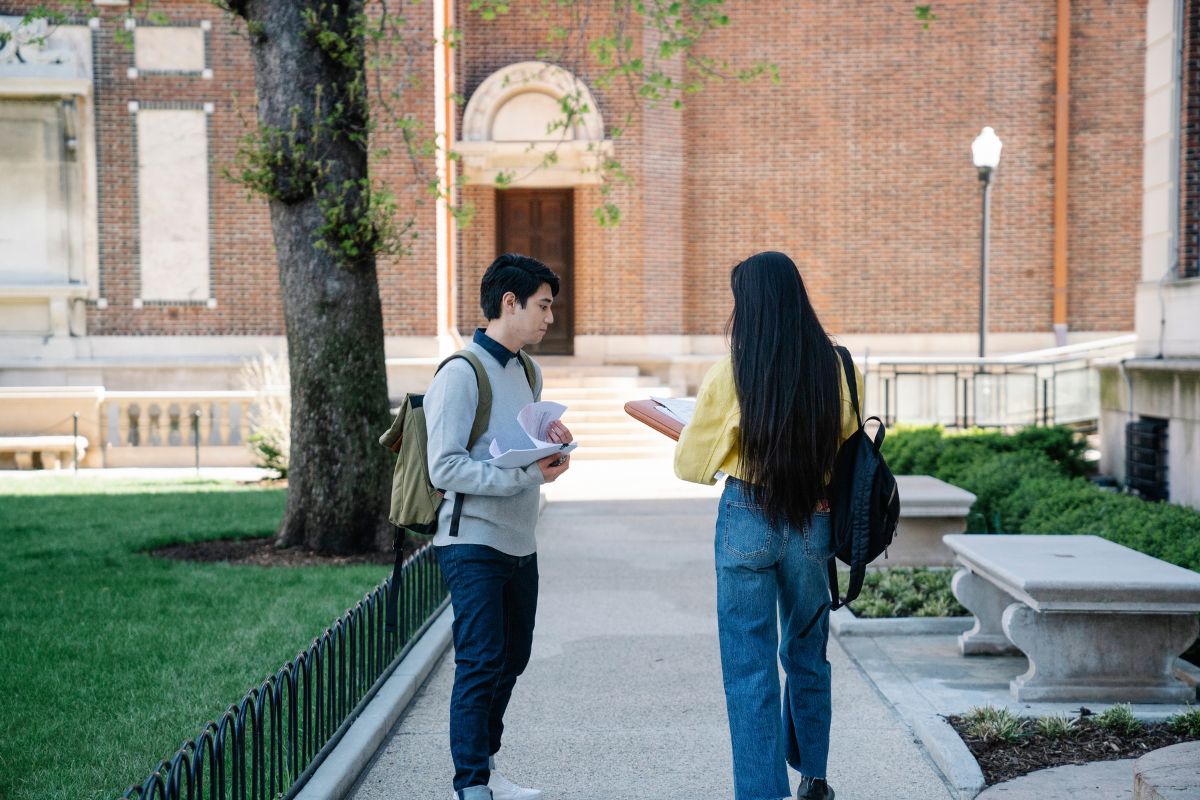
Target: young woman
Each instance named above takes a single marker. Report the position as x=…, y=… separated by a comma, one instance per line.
x=771, y=418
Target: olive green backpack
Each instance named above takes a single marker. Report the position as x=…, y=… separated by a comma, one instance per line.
x=415, y=500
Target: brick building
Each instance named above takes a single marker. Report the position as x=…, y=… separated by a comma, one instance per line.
x=127, y=260
x=1150, y=403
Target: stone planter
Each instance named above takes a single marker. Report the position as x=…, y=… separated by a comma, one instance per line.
x=929, y=509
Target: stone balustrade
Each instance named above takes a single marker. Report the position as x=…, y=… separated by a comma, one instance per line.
x=131, y=428
x=161, y=428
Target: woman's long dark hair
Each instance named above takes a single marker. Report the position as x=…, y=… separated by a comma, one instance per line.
x=788, y=386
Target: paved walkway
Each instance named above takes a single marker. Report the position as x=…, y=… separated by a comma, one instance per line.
x=623, y=696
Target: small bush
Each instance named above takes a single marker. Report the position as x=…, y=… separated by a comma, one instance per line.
x=991, y=724
x=992, y=480
x=1056, y=726
x=271, y=414
x=1186, y=724
x=1119, y=720
x=905, y=592
x=1029, y=482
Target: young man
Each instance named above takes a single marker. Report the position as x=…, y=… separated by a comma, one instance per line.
x=489, y=559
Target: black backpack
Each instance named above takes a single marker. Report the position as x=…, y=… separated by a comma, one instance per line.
x=864, y=505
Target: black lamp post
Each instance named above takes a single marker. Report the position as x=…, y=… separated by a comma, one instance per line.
x=985, y=152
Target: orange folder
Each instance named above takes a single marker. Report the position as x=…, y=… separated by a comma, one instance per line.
x=651, y=413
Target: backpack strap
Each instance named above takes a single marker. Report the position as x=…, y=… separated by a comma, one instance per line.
x=530, y=372
x=834, y=599
x=483, y=411
x=483, y=415
x=848, y=368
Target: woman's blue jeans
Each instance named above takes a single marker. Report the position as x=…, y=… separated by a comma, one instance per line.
x=764, y=570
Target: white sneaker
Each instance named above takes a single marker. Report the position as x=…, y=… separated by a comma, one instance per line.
x=504, y=789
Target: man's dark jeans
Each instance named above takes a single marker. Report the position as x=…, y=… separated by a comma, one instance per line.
x=495, y=599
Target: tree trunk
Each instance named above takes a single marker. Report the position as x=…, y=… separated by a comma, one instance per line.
x=339, y=475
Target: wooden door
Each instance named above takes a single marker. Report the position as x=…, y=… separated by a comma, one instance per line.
x=540, y=223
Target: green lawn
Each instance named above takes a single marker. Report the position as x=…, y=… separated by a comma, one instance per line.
x=112, y=658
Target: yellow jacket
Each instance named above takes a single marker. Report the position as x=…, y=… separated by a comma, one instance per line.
x=709, y=443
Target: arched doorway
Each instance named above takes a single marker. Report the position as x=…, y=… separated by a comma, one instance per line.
x=515, y=138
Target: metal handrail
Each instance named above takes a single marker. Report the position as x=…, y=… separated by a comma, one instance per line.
x=1044, y=387
x=291, y=721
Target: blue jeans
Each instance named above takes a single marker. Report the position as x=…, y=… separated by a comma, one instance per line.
x=764, y=570
x=495, y=599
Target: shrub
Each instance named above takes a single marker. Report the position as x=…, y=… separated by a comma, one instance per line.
x=1029, y=482
x=1187, y=723
x=905, y=592
x=992, y=480
x=1119, y=720
x=913, y=451
x=1056, y=726
x=1061, y=445
x=991, y=724
x=271, y=415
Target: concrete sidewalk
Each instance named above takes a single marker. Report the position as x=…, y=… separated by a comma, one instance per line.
x=623, y=696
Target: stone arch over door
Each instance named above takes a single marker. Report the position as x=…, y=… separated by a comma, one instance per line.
x=512, y=120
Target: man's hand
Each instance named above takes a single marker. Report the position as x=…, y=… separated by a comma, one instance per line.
x=551, y=467
x=558, y=433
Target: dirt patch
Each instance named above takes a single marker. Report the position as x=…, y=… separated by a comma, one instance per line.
x=263, y=552
x=1002, y=761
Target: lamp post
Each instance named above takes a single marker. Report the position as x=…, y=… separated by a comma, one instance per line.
x=985, y=152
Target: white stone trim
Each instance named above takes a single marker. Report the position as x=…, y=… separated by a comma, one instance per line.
x=131, y=73
x=137, y=302
x=576, y=163
x=528, y=76
x=579, y=153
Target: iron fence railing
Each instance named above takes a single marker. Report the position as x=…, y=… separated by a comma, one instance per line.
x=1059, y=386
x=267, y=745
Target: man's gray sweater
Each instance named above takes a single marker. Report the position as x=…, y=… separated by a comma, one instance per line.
x=500, y=509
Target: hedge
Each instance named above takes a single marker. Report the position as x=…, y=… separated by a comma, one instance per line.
x=1031, y=482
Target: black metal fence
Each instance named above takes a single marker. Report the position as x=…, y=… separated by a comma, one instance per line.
x=267, y=745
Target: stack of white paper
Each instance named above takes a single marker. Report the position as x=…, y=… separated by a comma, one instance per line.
x=681, y=408
x=534, y=419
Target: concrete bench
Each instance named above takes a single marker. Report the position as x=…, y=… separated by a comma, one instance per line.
x=929, y=509
x=1096, y=620
x=54, y=451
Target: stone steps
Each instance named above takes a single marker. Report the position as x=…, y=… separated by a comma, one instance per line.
x=595, y=398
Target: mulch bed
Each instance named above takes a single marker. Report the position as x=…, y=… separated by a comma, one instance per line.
x=1003, y=761
x=263, y=552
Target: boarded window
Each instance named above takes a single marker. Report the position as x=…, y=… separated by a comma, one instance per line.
x=34, y=218
x=169, y=49
x=173, y=204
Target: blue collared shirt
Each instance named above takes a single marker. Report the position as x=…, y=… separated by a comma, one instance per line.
x=498, y=351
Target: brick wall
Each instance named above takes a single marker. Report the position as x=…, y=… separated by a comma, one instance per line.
x=857, y=165
x=1190, y=154
x=242, y=268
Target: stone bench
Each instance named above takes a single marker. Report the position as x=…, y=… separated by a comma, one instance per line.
x=1096, y=620
x=54, y=451
x=929, y=509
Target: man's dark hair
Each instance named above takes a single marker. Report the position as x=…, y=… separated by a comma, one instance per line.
x=514, y=273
